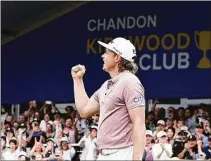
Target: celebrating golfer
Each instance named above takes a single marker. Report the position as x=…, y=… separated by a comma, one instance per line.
x=120, y=101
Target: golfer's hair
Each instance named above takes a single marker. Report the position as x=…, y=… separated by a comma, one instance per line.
x=127, y=65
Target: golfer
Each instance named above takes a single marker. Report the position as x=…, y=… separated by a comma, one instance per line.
x=120, y=102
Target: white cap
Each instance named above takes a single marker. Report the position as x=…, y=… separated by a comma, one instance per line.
x=161, y=133
x=94, y=127
x=149, y=132
x=64, y=139
x=161, y=122
x=122, y=47
x=184, y=128
x=50, y=139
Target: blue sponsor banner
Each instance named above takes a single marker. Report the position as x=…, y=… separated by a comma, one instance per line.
x=173, y=42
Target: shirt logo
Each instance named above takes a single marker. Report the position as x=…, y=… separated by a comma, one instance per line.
x=139, y=99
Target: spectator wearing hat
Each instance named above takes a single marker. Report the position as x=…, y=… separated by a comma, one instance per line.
x=162, y=150
x=35, y=133
x=89, y=145
x=66, y=149
x=22, y=127
x=22, y=157
x=148, y=146
x=179, y=143
x=9, y=133
x=207, y=149
x=192, y=150
x=160, y=127
x=50, y=149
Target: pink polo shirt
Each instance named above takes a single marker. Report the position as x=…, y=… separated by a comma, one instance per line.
x=116, y=96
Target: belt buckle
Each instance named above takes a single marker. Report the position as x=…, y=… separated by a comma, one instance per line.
x=109, y=153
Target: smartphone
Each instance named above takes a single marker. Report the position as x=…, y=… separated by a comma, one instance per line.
x=48, y=102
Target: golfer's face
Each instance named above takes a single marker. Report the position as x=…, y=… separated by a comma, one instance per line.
x=108, y=59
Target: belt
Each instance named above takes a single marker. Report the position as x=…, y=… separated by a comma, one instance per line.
x=106, y=152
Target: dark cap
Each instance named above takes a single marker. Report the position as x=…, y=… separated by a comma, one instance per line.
x=199, y=126
x=22, y=125
x=9, y=129
x=192, y=137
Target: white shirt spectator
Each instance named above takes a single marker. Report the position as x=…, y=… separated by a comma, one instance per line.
x=68, y=154
x=8, y=155
x=89, y=148
x=157, y=150
x=43, y=124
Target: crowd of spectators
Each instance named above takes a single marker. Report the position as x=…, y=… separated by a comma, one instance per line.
x=47, y=134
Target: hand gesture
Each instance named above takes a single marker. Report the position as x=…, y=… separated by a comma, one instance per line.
x=187, y=146
x=78, y=71
x=199, y=143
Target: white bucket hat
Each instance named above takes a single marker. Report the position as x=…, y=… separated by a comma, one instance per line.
x=122, y=47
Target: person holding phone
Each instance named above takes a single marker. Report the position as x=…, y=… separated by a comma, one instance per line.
x=120, y=102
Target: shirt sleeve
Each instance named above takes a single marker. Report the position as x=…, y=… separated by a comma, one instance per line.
x=95, y=96
x=133, y=94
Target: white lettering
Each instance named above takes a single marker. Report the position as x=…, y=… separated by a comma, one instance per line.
x=183, y=60
x=121, y=22
x=141, y=21
x=167, y=62
x=168, y=67
x=89, y=25
x=154, y=60
x=141, y=64
x=99, y=24
x=131, y=22
x=152, y=20
x=111, y=24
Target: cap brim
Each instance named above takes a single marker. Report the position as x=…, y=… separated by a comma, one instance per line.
x=105, y=45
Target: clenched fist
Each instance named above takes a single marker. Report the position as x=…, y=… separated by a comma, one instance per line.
x=78, y=71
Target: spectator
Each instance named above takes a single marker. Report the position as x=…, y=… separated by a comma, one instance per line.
x=148, y=146
x=190, y=120
x=172, y=113
x=181, y=113
x=162, y=150
x=199, y=134
x=207, y=149
x=170, y=135
x=160, y=127
x=89, y=145
x=67, y=151
x=150, y=122
x=44, y=122
x=70, y=131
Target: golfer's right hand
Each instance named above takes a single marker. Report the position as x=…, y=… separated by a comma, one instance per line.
x=78, y=71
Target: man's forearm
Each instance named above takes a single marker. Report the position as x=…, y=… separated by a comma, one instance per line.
x=138, y=140
x=81, y=97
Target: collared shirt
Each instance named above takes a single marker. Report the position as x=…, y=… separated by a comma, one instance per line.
x=116, y=97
